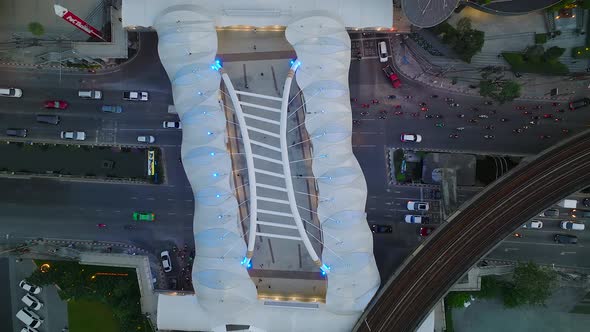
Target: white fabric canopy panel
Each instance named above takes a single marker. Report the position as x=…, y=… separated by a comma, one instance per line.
x=354, y=278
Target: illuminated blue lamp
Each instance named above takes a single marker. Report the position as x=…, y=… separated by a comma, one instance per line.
x=215, y=175
x=216, y=65
x=325, y=269
x=296, y=64
x=247, y=261
x=212, y=154
x=217, y=195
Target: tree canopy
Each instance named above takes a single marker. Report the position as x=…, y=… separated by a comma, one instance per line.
x=531, y=284
x=36, y=28
x=499, y=90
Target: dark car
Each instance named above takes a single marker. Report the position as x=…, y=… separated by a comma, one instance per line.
x=381, y=228
x=565, y=238
x=586, y=202
x=550, y=213
x=16, y=132
x=574, y=105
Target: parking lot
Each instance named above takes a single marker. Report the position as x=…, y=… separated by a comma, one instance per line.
x=54, y=311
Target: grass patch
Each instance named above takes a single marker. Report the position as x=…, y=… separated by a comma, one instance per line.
x=540, y=38
x=74, y=160
x=519, y=64
x=91, y=316
x=449, y=318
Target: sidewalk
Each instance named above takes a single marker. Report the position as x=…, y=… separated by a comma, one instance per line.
x=410, y=64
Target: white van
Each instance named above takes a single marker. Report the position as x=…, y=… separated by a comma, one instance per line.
x=572, y=225
x=382, y=49
x=11, y=92
x=28, y=329
x=32, y=302
x=90, y=94
x=28, y=317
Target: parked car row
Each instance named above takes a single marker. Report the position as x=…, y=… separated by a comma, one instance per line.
x=27, y=315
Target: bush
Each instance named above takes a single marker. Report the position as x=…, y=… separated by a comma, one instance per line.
x=464, y=40
x=553, y=53
x=458, y=299
x=518, y=64
x=36, y=28
x=540, y=38
x=581, y=52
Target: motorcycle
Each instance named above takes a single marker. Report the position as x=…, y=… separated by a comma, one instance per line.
x=488, y=136
x=101, y=225
x=483, y=116
x=440, y=125
x=454, y=136
x=460, y=116
x=460, y=128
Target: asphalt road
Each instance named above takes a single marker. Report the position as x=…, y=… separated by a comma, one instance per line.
x=491, y=216
x=71, y=209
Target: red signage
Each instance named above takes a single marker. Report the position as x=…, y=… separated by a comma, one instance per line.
x=77, y=22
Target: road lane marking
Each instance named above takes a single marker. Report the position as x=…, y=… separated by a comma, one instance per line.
x=171, y=213
x=133, y=197
x=567, y=253
x=151, y=199
x=541, y=243
x=170, y=199
x=511, y=249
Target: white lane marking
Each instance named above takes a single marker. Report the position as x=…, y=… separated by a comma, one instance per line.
x=133, y=197
x=567, y=252
x=117, y=211
x=188, y=200
x=511, y=249
x=170, y=199
x=171, y=213
x=151, y=199
x=541, y=243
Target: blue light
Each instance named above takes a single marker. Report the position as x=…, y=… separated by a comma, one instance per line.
x=215, y=175
x=211, y=154
x=220, y=216
x=217, y=195
x=209, y=133
x=244, y=261
x=217, y=65
x=249, y=265
x=292, y=62
x=323, y=273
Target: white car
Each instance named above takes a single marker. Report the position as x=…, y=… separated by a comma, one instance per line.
x=171, y=124
x=415, y=219
x=146, y=139
x=166, y=263
x=136, y=95
x=411, y=138
x=11, y=92
x=75, y=135
x=572, y=225
x=28, y=329
x=534, y=224
x=418, y=206
x=29, y=287
x=32, y=302
x=90, y=94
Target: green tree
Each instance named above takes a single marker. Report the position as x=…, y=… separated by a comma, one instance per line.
x=531, y=285
x=458, y=299
x=553, y=53
x=499, y=90
x=534, y=53
x=36, y=28
x=510, y=90
x=464, y=25
x=468, y=44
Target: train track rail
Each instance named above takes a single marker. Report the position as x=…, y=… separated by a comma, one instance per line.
x=411, y=293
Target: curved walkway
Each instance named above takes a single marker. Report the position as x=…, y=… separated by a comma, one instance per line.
x=513, y=7
x=474, y=230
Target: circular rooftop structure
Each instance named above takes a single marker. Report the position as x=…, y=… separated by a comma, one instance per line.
x=428, y=13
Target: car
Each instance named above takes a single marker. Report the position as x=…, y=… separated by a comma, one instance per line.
x=75, y=135
x=172, y=124
x=547, y=116
x=454, y=105
x=144, y=216
x=572, y=225
x=418, y=206
x=57, y=104
x=28, y=329
x=111, y=109
x=410, y=138
x=11, y=92
x=146, y=139
x=586, y=202
x=32, y=302
x=521, y=108
x=574, y=105
x=381, y=228
x=415, y=219
x=29, y=317
x=550, y=213
x=16, y=132
x=575, y=213
x=29, y=287
x=534, y=224
x=90, y=94
x=425, y=231
x=565, y=238
x=166, y=262
x=136, y=95
x=382, y=50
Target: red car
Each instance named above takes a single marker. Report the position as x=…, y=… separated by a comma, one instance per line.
x=365, y=105
x=521, y=108
x=425, y=231
x=59, y=104
x=547, y=116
